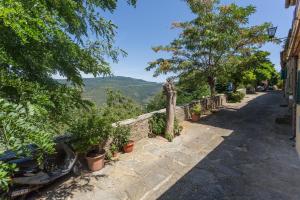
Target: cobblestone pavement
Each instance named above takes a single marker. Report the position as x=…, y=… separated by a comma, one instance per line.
x=236, y=153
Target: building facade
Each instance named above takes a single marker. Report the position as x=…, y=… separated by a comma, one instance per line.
x=290, y=65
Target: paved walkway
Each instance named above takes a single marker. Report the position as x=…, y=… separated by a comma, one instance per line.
x=236, y=153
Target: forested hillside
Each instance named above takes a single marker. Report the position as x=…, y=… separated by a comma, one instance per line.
x=138, y=89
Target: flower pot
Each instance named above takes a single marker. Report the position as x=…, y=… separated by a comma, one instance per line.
x=128, y=147
x=195, y=118
x=95, y=161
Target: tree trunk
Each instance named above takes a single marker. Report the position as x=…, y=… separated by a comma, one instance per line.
x=170, y=92
x=212, y=86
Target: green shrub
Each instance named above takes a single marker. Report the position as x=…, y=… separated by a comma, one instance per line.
x=90, y=131
x=186, y=94
x=234, y=97
x=158, y=125
x=114, y=148
x=121, y=136
x=280, y=84
x=169, y=137
x=21, y=125
x=5, y=171
x=196, y=109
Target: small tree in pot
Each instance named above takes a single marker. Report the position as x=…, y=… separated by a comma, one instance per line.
x=196, y=112
x=121, y=139
x=91, y=132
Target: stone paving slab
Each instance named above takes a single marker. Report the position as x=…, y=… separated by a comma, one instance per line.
x=236, y=153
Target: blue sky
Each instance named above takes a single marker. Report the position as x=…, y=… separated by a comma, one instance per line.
x=149, y=24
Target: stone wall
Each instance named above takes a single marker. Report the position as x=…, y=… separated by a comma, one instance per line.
x=140, y=125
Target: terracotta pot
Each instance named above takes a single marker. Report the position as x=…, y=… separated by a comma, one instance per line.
x=128, y=147
x=96, y=161
x=195, y=118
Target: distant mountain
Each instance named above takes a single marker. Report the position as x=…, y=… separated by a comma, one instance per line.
x=137, y=89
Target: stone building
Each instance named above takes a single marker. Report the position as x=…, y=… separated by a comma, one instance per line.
x=291, y=69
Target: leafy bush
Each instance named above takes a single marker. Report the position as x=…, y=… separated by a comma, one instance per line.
x=196, y=109
x=221, y=87
x=90, y=131
x=21, y=125
x=121, y=135
x=114, y=148
x=186, y=94
x=280, y=84
x=158, y=124
x=57, y=100
x=234, y=97
x=5, y=171
x=94, y=127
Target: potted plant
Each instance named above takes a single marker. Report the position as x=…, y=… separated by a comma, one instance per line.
x=91, y=132
x=128, y=146
x=196, y=112
x=114, y=150
x=95, y=159
x=121, y=137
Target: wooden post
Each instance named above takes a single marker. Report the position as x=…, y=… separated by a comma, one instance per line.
x=170, y=92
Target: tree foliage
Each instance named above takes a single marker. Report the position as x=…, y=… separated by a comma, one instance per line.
x=191, y=87
x=206, y=43
x=23, y=125
x=119, y=107
x=40, y=38
x=90, y=131
x=253, y=69
x=56, y=100
x=157, y=102
x=5, y=171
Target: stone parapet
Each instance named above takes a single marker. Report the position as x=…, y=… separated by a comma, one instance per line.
x=140, y=126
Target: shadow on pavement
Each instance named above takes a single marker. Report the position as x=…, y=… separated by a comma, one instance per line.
x=256, y=161
x=59, y=191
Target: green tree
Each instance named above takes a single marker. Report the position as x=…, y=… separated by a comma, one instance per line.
x=249, y=78
x=253, y=69
x=119, y=107
x=275, y=79
x=58, y=100
x=191, y=87
x=206, y=43
x=243, y=67
x=20, y=126
x=158, y=102
x=40, y=38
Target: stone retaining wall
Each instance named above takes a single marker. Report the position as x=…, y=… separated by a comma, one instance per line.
x=140, y=125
